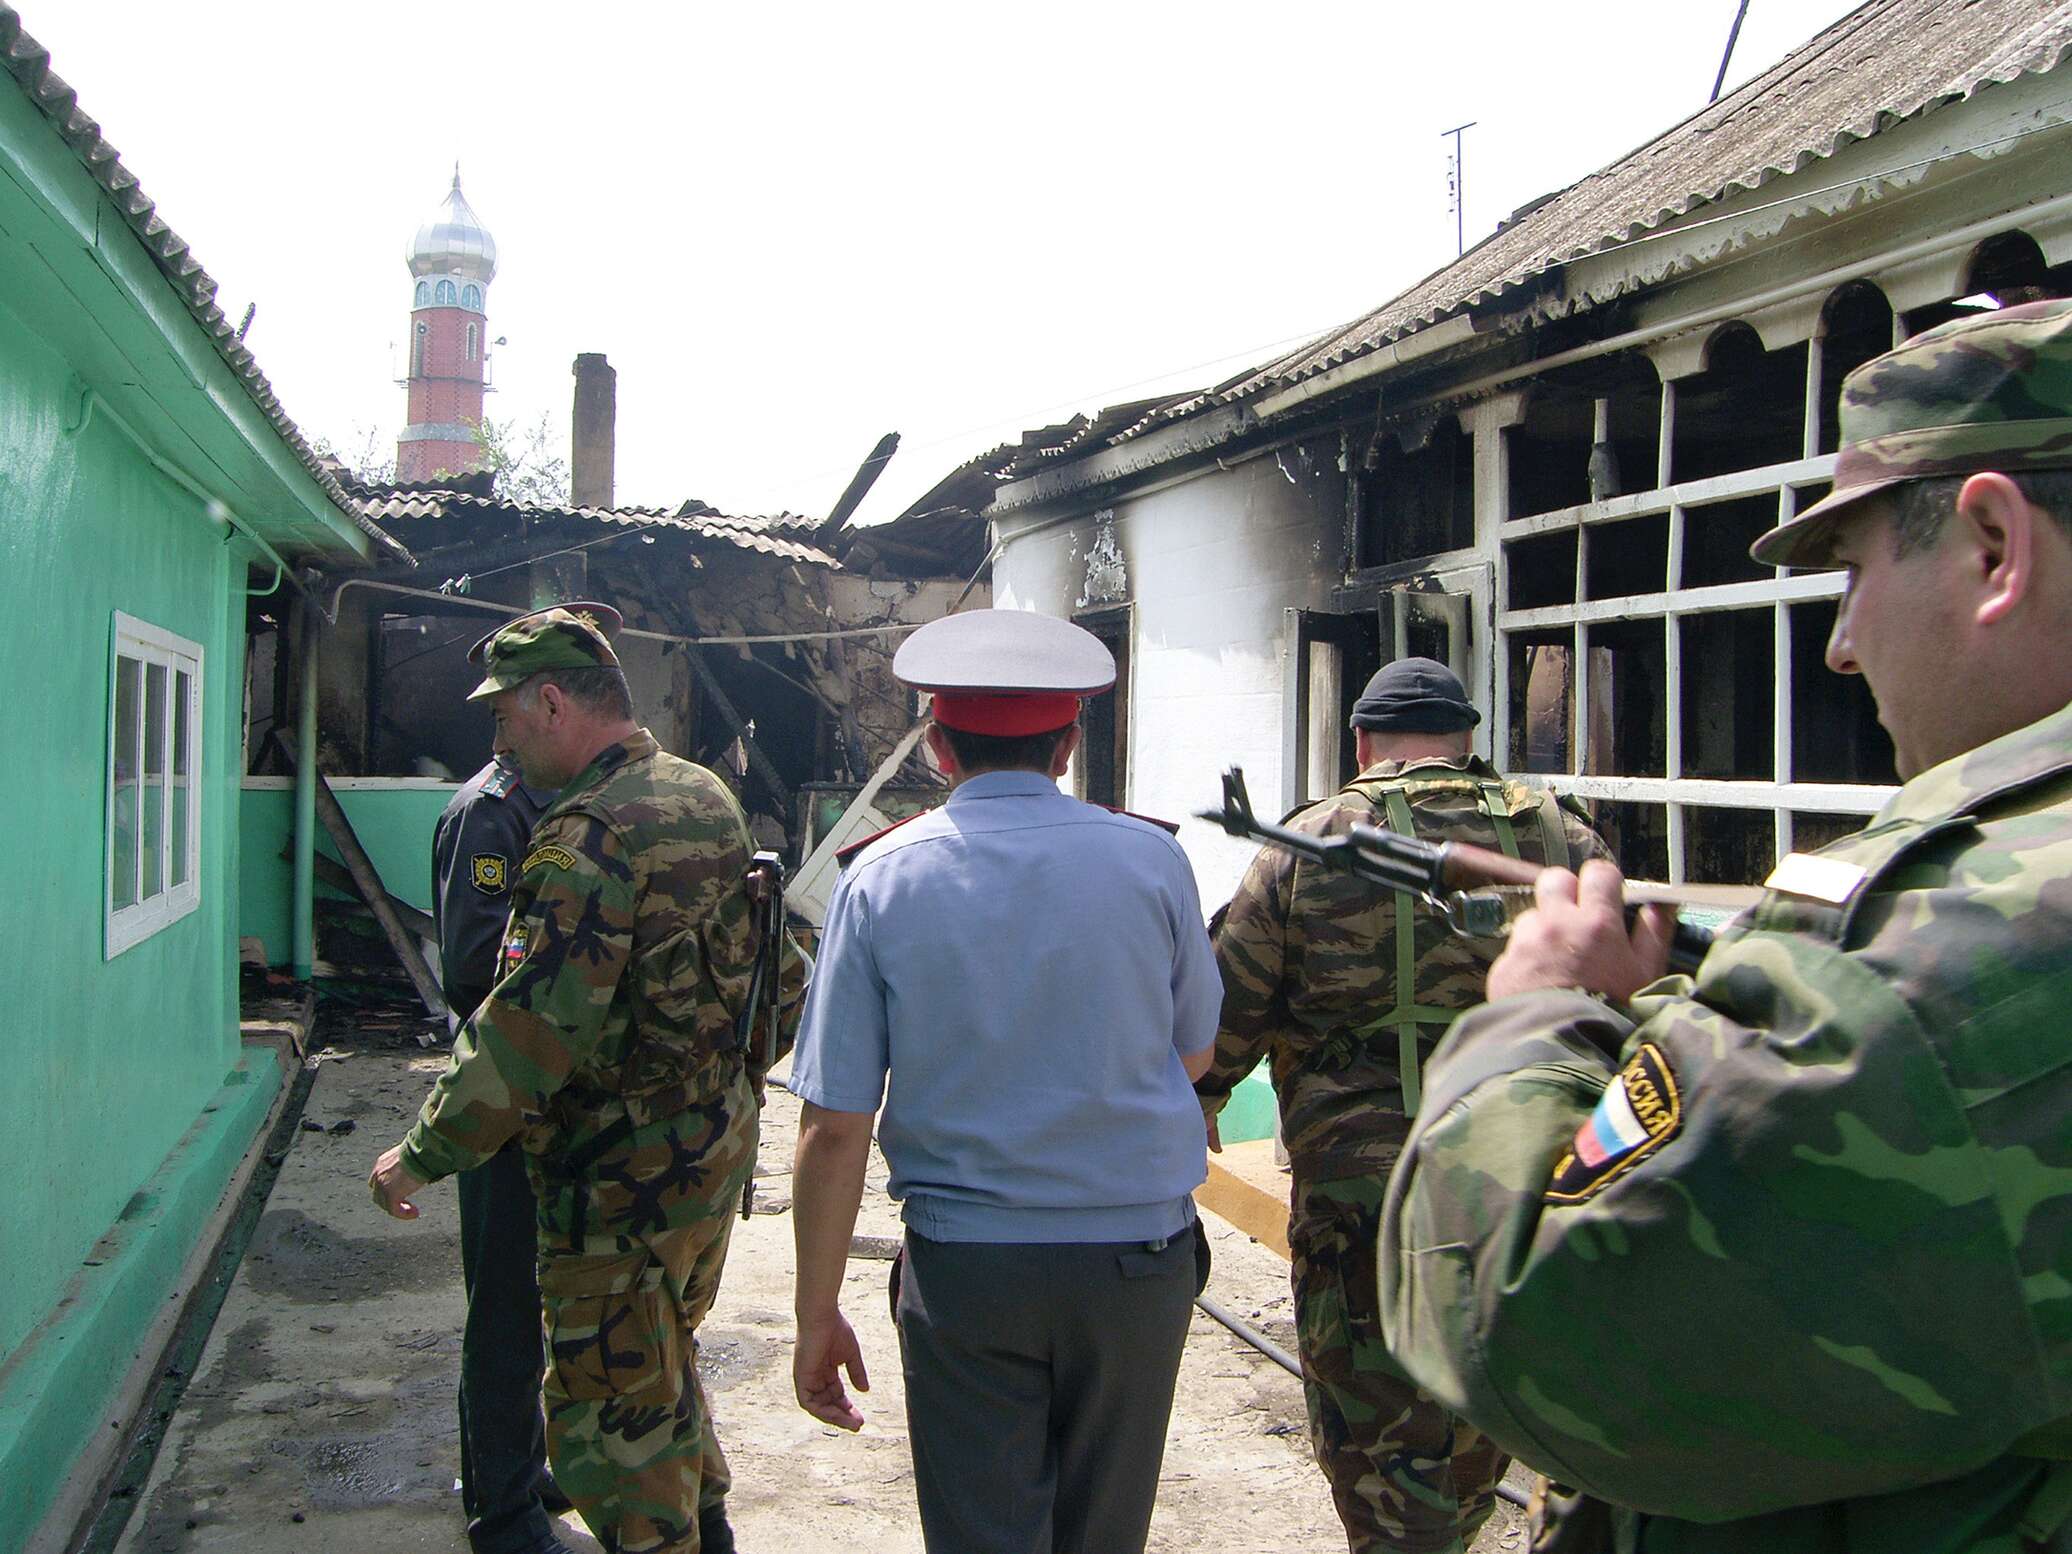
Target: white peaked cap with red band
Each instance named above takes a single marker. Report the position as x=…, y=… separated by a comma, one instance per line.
x=1007, y=673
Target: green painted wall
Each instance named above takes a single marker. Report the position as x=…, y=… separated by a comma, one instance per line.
x=51, y=1390
x=123, y=1127
x=1249, y=1113
x=108, y=1062
x=393, y=824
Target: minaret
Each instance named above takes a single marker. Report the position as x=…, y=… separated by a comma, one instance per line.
x=452, y=261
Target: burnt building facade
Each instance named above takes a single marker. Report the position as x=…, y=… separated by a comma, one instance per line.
x=1544, y=464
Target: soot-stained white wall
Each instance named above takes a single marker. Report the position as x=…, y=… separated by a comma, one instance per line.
x=1211, y=565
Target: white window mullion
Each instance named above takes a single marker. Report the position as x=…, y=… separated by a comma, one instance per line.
x=137, y=767
x=165, y=779
x=1672, y=734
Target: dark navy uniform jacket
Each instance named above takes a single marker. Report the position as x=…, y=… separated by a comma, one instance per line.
x=476, y=849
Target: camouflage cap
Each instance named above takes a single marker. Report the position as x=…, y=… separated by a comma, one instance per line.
x=1993, y=391
x=575, y=635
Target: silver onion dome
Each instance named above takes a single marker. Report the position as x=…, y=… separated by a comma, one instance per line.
x=453, y=241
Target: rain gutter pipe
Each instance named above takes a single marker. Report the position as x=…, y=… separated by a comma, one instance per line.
x=306, y=797
x=214, y=506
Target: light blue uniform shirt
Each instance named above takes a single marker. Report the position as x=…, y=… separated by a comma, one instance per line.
x=1028, y=970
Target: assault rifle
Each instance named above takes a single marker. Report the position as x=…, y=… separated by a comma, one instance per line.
x=765, y=1006
x=1478, y=892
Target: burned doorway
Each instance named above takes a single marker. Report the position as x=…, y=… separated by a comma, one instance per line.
x=1335, y=655
x=1101, y=774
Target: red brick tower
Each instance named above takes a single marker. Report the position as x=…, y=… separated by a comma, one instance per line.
x=452, y=261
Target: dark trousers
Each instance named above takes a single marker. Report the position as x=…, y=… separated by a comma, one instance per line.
x=503, y=1443
x=1039, y=1380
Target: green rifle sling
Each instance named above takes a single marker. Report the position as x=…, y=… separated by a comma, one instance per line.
x=1408, y=1014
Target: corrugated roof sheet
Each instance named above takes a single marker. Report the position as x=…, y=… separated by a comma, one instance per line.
x=943, y=527
x=772, y=534
x=1042, y=447
x=28, y=62
x=1884, y=63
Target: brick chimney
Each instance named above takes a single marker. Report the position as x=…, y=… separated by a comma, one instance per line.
x=594, y=439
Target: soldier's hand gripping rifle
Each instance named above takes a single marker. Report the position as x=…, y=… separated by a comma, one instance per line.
x=1475, y=890
x=764, y=1011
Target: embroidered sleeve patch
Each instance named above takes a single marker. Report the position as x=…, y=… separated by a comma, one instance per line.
x=1639, y=1113
x=560, y=857
x=490, y=873
x=517, y=940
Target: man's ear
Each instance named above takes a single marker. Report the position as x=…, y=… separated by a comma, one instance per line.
x=939, y=747
x=1068, y=742
x=1997, y=527
x=553, y=703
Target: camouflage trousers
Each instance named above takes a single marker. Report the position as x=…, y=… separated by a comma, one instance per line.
x=629, y=1432
x=1407, y=1476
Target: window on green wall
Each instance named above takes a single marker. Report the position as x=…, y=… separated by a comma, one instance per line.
x=154, y=773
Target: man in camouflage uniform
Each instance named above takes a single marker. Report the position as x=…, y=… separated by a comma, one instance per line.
x=1775, y=1257
x=610, y=1046
x=1341, y=985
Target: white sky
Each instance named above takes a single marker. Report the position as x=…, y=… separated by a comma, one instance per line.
x=795, y=227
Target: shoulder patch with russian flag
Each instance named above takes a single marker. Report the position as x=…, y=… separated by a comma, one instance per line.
x=1639, y=1112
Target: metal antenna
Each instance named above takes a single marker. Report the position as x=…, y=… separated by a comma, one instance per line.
x=1733, y=37
x=1457, y=187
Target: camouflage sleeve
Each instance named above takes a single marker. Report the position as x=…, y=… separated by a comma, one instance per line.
x=1754, y=1261
x=708, y=878
x=1251, y=947
x=1583, y=842
x=545, y=1015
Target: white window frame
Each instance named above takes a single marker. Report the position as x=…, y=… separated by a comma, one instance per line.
x=148, y=644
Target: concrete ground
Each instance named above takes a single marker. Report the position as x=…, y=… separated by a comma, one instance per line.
x=321, y=1415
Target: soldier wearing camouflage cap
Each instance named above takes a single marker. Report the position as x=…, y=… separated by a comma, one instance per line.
x=562, y=636
x=611, y=1045
x=1341, y=986
x=1776, y=1257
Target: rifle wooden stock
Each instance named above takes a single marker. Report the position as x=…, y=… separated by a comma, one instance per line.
x=1464, y=866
